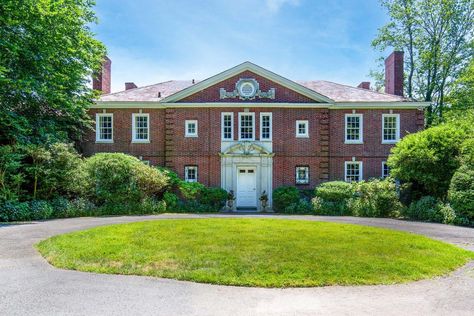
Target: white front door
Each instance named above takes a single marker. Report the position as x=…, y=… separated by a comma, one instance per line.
x=246, y=187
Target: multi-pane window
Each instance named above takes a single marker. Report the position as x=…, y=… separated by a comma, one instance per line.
x=302, y=175
x=104, y=127
x=390, y=128
x=191, y=128
x=385, y=170
x=302, y=129
x=227, y=126
x=265, y=126
x=353, y=171
x=354, y=128
x=140, y=127
x=191, y=173
x=247, y=126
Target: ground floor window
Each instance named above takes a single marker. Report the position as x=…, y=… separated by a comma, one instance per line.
x=191, y=173
x=385, y=170
x=353, y=171
x=302, y=175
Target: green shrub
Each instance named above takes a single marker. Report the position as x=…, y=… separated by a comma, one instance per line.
x=82, y=207
x=191, y=190
x=284, y=197
x=447, y=214
x=150, y=181
x=375, y=198
x=171, y=201
x=11, y=211
x=461, y=192
x=40, y=209
x=425, y=209
x=213, y=197
x=300, y=207
x=122, y=179
x=111, y=178
x=11, y=176
x=429, y=158
x=333, y=198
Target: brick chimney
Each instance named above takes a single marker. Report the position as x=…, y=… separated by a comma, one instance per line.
x=364, y=85
x=102, y=80
x=394, y=73
x=130, y=85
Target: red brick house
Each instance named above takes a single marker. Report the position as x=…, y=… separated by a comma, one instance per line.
x=250, y=130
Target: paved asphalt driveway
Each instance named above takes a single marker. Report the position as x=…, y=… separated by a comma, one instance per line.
x=30, y=286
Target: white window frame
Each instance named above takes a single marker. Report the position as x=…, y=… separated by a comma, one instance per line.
x=186, y=129
x=97, y=127
x=134, y=127
x=269, y=114
x=361, y=128
x=305, y=181
x=186, y=169
x=397, y=132
x=306, y=134
x=361, y=170
x=384, y=163
x=253, y=125
x=223, y=115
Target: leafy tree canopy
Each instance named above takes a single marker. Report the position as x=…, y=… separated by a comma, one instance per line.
x=436, y=36
x=47, y=54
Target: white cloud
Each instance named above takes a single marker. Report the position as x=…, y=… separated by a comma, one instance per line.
x=275, y=5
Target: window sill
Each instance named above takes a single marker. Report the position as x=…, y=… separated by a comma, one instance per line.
x=391, y=142
x=354, y=143
x=302, y=136
x=104, y=141
x=140, y=141
x=246, y=140
x=191, y=136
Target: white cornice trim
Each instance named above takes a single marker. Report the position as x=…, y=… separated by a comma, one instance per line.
x=244, y=67
x=332, y=106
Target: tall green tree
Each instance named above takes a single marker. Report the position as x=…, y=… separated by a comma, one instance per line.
x=461, y=97
x=436, y=36
x=47, y=55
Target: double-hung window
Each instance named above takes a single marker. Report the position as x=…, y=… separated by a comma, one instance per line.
x=390, y=128
x=385, y=170
x=191, y=173
x=354, y=129
x=104, y=123
x=302, y=127
x=265, y=126
x=191, y=128
x=302, y=175
x=246, y=126
x=353, y=171
x=140, y=127
x=227, y=124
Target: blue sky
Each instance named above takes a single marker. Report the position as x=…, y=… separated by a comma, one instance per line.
x=150, y=41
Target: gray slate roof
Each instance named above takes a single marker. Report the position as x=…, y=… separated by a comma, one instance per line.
x=337, y=92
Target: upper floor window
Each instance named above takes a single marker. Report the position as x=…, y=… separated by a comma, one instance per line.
x=385, y=170
x=353, y=171
x=246, y=126
x=354, y=128
x=104, y=127
x=227, y=124
x=302, y=128
x=265, y=126
x=191, y=128
x=191, y=173
x=302, y=175
x=390, y=128
x=140, y=127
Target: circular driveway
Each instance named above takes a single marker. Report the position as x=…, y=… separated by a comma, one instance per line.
x=30, y=286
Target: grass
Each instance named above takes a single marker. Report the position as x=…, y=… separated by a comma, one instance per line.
x=255, y=252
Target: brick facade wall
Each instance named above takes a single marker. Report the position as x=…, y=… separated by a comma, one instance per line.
x=324, y=152
x=282, y=94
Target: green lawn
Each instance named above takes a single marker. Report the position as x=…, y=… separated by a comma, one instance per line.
x=255, y=252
